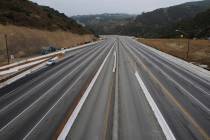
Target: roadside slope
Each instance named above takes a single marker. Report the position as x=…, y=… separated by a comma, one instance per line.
x=26, y=42
x=28, y=14
x=30, y=27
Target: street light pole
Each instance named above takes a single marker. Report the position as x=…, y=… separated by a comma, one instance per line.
x=188, y=43
x=7, y=50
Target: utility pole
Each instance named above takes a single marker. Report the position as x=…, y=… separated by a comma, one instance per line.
x=188, y=48
x=7, y=50
x=188, y=43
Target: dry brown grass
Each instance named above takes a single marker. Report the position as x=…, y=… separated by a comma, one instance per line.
x=199, y=49
x=26, y=42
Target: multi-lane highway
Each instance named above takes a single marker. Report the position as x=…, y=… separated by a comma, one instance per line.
x=116, y=89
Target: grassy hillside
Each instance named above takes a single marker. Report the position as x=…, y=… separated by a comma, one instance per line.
x=31, y=27
x=29, y=14
x=25, y=42
x=199, y=49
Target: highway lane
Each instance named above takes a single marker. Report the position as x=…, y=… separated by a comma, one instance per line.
x=96, y=113
x=136, y=119
x=69, y=58
x=180, y=101
x=117, y=89
x=18, y=88
x=23, y=113
x=22, y=97
x=178, y=74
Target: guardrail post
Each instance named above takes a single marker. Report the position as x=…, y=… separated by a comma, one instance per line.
x=7, y=50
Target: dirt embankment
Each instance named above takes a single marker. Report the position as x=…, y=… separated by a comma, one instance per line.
x=26, y=42
x=199, y=51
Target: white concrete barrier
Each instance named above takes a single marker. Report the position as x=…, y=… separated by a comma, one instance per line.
x=44, y=56
x=17, y=77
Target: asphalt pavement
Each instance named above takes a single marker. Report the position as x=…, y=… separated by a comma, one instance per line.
x=116, y=89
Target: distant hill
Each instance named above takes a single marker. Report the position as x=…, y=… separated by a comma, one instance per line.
x=198, y=26
x=160, y=22
x=165, y=16
x=104, y=23
x=29, y=14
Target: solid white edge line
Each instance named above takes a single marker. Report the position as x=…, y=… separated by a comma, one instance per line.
x=115, y=62
x=162, y=122
x=76, y=111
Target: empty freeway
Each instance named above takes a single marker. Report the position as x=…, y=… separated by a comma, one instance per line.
x=116, y=89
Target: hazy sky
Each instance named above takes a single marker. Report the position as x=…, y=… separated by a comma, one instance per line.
x=81, y=7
